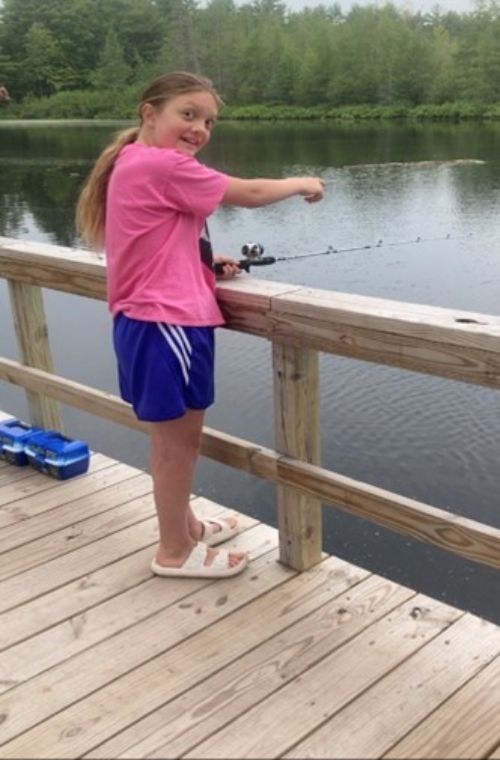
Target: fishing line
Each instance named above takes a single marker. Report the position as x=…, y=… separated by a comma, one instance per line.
x=379, y=244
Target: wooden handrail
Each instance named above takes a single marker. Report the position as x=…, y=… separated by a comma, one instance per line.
x=300, y=322
x=451, y=343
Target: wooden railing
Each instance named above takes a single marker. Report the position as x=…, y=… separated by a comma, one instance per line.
x=300, y=323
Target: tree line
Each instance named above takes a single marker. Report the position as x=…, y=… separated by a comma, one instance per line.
x=258, y=52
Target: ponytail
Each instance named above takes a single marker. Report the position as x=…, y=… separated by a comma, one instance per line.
x=91, y=207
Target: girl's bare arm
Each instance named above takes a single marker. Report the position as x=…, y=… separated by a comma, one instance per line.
x=252, y=193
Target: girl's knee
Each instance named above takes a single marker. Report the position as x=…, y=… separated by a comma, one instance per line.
x=176, y=439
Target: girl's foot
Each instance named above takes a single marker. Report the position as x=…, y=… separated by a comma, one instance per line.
x=200, y=561
x=214, y=530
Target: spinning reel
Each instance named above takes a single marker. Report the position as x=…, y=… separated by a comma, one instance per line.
x=253, y=253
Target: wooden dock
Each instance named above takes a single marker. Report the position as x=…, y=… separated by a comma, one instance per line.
x=99, y=659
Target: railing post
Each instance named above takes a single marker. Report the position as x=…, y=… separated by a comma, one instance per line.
x=297, y=433
x=33, y=342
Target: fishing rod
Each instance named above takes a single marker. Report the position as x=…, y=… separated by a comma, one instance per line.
x=254, y=252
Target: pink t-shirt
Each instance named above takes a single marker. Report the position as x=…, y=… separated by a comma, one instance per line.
x=157, y=203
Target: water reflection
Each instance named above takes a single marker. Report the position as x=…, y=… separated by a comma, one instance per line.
x=44, y=166
x=43, y=169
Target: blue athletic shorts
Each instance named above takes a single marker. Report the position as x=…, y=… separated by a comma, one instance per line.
x=163, y=369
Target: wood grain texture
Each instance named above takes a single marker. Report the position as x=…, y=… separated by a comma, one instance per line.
x=433, y=671
x=297, y=434
x=34, y=348
x=50, y=266
x=467, y=725
x=100, y=659
x=300, y=635
x=118, y=484
x=53, y=692
x=76, y=596
x=316, y=695
x=450, y=343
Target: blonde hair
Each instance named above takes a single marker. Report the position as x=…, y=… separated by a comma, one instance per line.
x=91, y=206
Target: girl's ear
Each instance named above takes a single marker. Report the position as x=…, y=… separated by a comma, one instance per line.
x=148, y=114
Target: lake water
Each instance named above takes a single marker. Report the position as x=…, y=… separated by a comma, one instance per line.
x=439, y=226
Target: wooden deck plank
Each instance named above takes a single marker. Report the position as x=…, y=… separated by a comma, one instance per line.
x=100, y=659
x=299, y=635
x=37, y=482
x=302, y=705
x=74, y=598
x=120, y=483
x=77, y=596
x=466, y=726
x=77, y=564
x=193, y=657
x=79, y=534
x=58, y=688
x=432, y=671
x=62, y=493
x=32, y=483
x=124, y=507
x=23, y=506
x=11, y=474
x=97, y=462
x=51, y=647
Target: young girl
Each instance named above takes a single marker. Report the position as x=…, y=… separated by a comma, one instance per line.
x=146, y=201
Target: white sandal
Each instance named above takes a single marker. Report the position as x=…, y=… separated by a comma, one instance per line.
x=211, y=537
x=194, y=566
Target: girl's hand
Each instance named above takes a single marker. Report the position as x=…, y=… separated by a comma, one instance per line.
x=230, y=267
x=313, y=189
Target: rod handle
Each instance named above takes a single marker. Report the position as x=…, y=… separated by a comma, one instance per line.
x=245, y=264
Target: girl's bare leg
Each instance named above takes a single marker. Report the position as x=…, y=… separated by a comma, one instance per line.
x=175, y=447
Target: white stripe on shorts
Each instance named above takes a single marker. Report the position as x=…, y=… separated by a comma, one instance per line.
x=181, y=340
x=183, y=337
x=175, y=349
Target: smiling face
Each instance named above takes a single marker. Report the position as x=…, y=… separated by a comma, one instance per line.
x=184, y=123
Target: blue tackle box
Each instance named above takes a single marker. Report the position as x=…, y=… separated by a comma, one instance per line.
x=58, y=456
x=14, y=436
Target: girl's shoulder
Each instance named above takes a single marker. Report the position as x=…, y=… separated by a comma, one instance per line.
x=174, y=173
x=140, y=162
x=138, y=152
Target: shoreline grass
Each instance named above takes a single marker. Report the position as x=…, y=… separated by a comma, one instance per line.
x=102, y=105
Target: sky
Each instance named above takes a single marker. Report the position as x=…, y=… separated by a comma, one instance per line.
x=461, y=6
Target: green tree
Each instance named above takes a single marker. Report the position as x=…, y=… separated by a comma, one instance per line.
x=80, y=28
x=180, y=46
x=74, y=24
x=488, y=60
x=281, y=85
x=112, y=71
x=44, y=70
x=442, y=87
x=476, y=59
x=9, y=73
x=258, y=51
x=354, y=76
x=139, y=29
x=220, y=42
x=315, y=34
